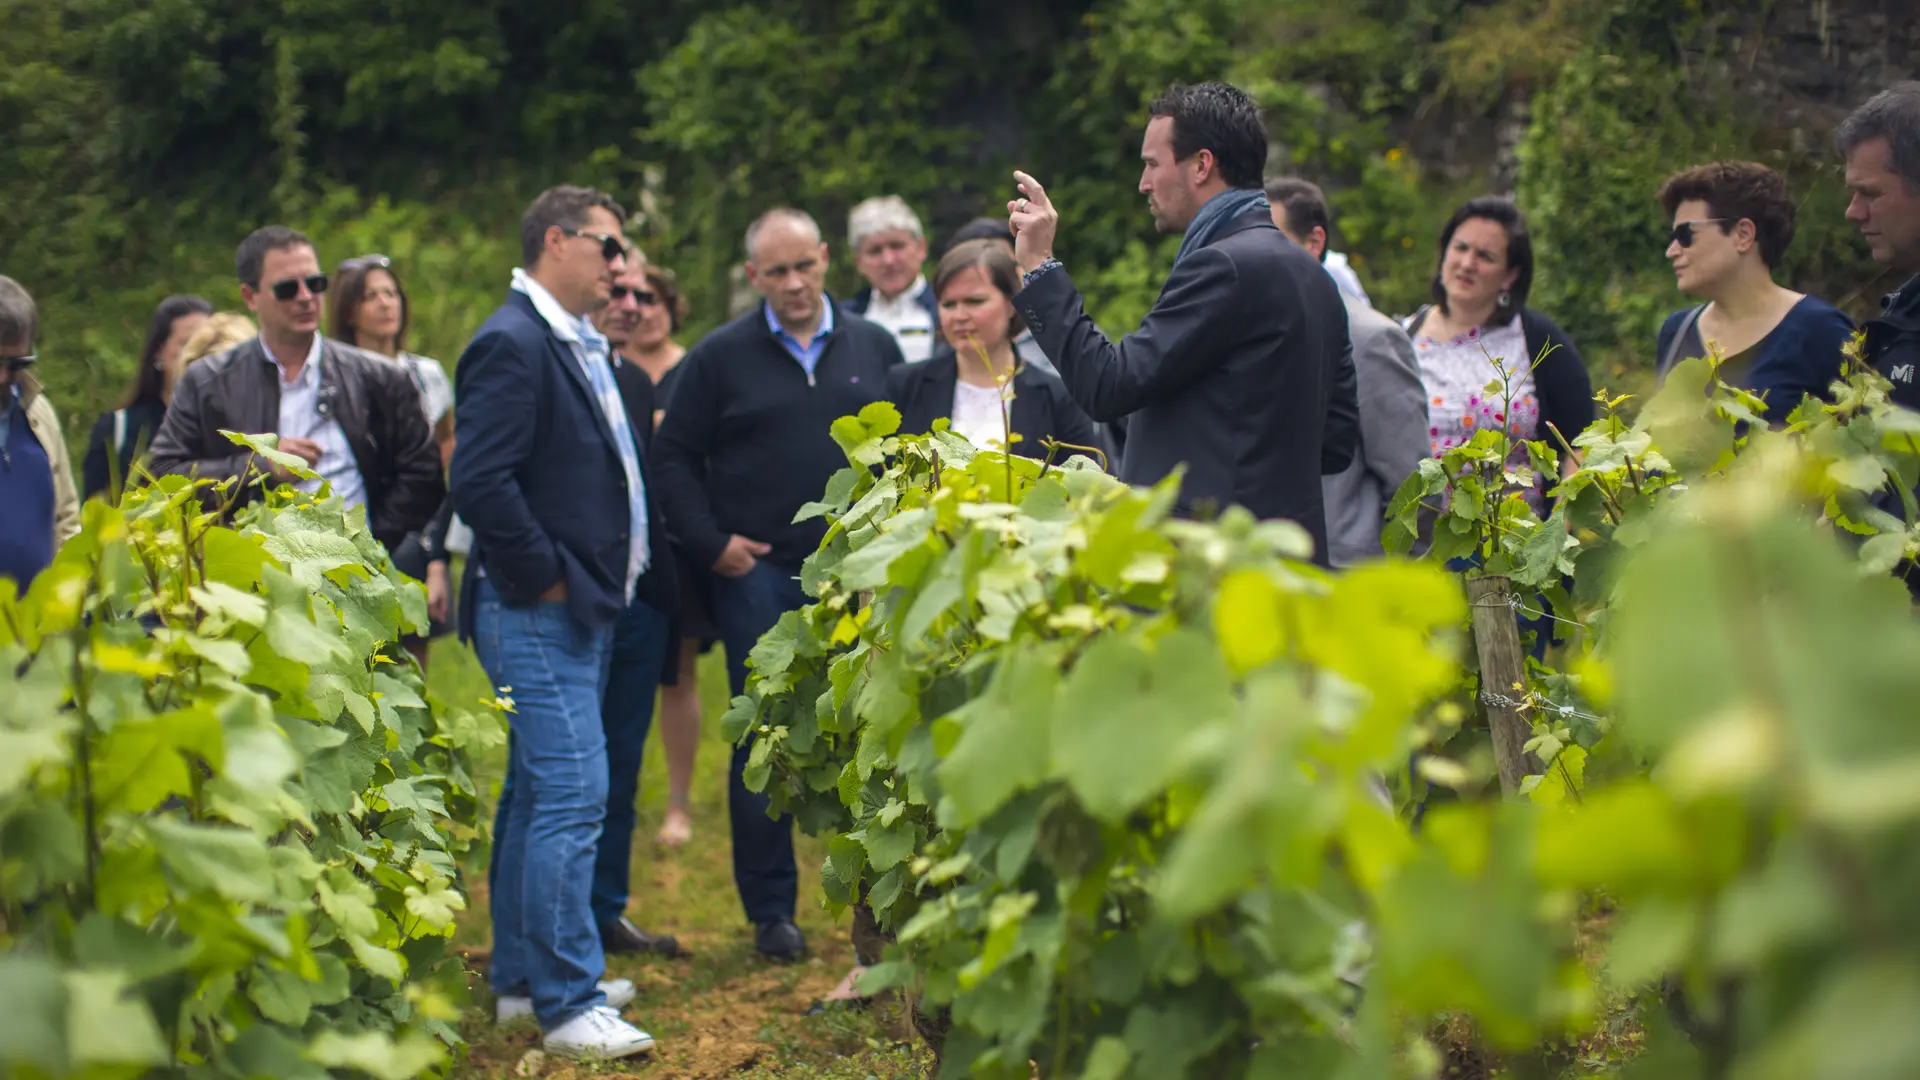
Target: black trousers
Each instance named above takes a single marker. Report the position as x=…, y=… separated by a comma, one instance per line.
x=763, y=867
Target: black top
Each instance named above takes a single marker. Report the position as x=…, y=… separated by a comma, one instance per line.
x=1797, y=358
x=107, y=464
x=1041, y=407
x=639, y=395
x=746, y=440
x=663, y=390
x=1893, y=342
x=1242, y=373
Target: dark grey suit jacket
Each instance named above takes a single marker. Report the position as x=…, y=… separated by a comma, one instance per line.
x=1393, y=435
x=1242, y=372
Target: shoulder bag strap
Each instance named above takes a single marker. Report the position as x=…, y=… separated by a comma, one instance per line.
x=1679, y=341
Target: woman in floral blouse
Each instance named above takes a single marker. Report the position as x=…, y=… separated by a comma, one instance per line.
x=1479, y=332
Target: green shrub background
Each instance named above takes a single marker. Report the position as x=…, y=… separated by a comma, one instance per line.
x=141, y=139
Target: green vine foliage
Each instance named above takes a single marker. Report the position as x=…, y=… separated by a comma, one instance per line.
x=1112, y=781
x=230, y=812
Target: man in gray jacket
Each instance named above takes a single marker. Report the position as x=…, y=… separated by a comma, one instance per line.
x=1393, y=401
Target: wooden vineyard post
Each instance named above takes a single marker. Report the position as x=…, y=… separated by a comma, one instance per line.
x=1496, y=637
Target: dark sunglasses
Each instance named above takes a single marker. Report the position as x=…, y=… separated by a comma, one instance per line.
x=1683, y=232
x=368, y=262
x=640, y=296
x=612, y=245
x=17, y=364
x=290, y=288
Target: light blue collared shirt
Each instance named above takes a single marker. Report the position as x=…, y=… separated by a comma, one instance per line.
x=808, y=354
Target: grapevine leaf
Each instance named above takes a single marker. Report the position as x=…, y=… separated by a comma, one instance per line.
x=377, y=1055
x=33, y=1007
x=106, y=1024
x=229, y=862
x=1113, y=739
x=1003, y=742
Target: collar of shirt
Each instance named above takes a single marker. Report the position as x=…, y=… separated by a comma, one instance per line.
x=568, y=327
x=1903, y=299
x=900, y=308
x=309, y=372
x=826, y=321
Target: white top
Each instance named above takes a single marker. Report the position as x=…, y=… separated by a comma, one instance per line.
x=591, y=350
x=905, y=319
x=436, y=393
x=976, y=414
x=1342, y=274
x=305, y=414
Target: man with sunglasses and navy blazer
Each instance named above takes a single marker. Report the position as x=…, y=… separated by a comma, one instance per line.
x=354, y=417
x=548, y=472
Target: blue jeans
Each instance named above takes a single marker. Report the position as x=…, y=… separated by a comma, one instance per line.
x=626, y=712
x=763, y=867
x=554, y=798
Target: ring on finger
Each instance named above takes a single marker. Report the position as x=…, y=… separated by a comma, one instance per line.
x=1023, y=206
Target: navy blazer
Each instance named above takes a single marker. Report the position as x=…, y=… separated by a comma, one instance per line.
x=536, y=473
x=1242, y=373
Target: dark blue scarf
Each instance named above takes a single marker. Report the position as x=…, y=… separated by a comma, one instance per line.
x=1214, y=216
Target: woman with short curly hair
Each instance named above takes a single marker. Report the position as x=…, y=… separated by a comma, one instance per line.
x=1732, y=223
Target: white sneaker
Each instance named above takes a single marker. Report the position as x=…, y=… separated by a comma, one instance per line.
x=596, y=1033
x=619, y=992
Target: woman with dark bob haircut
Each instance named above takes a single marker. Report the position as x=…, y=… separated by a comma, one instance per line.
x=1732, y=222
x=119, y=436
x=1479, y=331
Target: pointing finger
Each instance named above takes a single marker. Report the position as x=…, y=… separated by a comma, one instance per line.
x=1031, y=188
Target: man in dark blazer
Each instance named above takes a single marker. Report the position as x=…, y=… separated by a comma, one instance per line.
x=548, y=473
x=1242, y=372
x=744, y=445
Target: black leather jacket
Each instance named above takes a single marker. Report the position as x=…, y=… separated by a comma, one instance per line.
x=371, y=397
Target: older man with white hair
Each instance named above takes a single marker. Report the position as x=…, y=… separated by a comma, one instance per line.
x=890, y=251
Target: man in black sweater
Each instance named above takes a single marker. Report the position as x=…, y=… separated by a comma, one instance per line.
x=744, y=445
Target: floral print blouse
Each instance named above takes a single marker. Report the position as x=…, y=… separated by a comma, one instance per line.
x=1457, y=374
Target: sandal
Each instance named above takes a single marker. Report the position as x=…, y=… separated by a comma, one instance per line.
x=676, y=830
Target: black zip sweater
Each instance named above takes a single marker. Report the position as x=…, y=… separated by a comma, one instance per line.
x=745, y=442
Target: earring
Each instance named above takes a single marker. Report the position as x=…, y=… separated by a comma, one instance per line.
x=1506, y=299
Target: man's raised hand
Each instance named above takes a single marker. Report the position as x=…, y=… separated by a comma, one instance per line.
x=1033, y=221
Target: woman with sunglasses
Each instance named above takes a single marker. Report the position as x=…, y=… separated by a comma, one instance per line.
x=1732, y=222
x=652, y=349
x=370, y=311
x=121, y=435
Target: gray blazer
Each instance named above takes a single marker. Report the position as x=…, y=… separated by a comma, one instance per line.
x=1393, y=435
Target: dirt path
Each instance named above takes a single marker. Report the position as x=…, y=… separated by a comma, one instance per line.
x=721, y=1010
